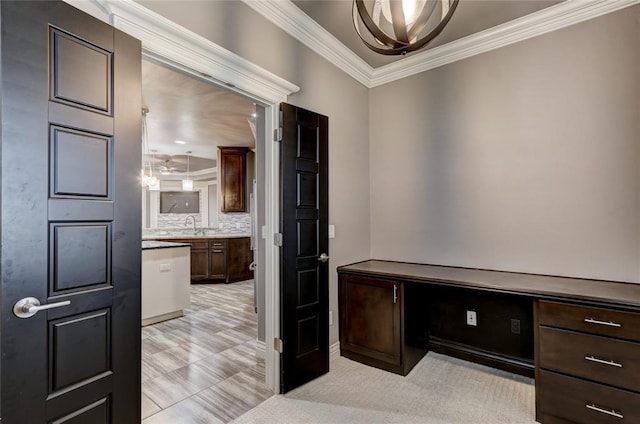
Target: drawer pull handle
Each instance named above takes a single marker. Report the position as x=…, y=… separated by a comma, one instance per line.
x=607, y=323
x=611, y=412
x=603, y=361
x=395, y=293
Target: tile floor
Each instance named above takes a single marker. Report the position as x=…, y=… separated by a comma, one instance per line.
x=203, y=367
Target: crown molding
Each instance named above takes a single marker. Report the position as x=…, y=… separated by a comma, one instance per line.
x=544, y=21
x=288, y=17
x=166, y=41
x=162, y=38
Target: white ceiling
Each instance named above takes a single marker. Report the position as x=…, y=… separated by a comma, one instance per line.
x=203, y=115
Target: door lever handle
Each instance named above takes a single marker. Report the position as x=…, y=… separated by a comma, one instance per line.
x=29, y=306
x=323, y=257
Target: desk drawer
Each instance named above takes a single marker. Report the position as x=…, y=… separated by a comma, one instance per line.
x=606, y=322
x=602, y=359
x=564, y=399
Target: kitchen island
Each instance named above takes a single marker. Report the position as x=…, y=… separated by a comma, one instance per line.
x=165, y=280
x=218, y=257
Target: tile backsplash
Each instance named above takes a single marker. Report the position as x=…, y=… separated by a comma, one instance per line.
x=235, y=221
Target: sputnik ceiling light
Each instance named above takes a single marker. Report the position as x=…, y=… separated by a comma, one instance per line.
x=187, y=185
x=394, y=27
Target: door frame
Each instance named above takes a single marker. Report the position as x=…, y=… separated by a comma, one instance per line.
x=168, y=43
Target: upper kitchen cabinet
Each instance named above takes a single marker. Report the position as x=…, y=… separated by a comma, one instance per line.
x=233, y=182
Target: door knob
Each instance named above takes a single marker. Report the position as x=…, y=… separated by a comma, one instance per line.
x=323, y=257
x=29, y=306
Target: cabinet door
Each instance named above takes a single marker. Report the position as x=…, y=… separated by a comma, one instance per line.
x=218, y=261
x=239, y=253
x=233, y=170
x=199, y=264
x=370, y=318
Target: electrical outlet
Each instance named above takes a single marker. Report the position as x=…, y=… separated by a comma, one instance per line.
x=330, y=317
x=515, y=326
x=472, y=318
x=165, y=267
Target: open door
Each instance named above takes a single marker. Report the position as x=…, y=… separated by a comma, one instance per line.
x=70, y=195
x=304, y=305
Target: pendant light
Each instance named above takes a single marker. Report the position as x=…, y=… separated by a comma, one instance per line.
x=394, y=27
x=187, y=185
x=147, y=180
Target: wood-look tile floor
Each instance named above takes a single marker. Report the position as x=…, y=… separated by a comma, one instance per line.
x=203, y=367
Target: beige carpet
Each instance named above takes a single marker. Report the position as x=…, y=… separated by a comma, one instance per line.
x=438, y=390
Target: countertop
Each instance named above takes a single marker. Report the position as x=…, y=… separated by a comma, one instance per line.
x=178, y=236
x=152, y=244
x=543, y=286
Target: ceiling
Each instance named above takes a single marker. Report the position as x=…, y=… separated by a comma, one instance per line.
x=471, y=16
x=184, y=108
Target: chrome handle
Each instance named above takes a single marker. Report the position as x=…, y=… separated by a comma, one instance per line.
x=395, y=293
x=611, y=412
x=323, y=257
x=29, y=306
x=607, y=323
x=603, y=361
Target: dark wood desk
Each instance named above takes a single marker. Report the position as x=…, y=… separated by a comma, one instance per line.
x=580, y=338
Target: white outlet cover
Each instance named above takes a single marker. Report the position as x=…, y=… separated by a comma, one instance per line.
x=165, y=267
x=332, y=231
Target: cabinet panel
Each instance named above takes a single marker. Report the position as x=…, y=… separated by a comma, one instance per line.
x=370, y=318
x=218, y=269
x=233, y=170
x=199, y=264
x=597, y=358
x=606, y=322
x=564, y=399
x=240, y=257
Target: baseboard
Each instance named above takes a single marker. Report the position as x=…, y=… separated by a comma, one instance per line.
x=163, y=317
x=334, y=351
x=520, y=366
x=261, y=349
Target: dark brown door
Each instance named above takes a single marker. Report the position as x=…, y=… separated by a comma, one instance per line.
x=70, y=217
x=304, y=304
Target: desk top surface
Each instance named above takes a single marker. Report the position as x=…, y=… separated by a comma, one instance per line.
x=542, y=286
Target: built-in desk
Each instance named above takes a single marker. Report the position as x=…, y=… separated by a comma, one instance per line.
x=580, y=338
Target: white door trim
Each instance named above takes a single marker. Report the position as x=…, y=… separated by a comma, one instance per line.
x=169, y=43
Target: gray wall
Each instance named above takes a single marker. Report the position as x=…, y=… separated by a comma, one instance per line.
x=526, y=158
x=324, y=89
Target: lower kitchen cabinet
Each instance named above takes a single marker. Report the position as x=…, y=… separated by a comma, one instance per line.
x=199, y=264
x=218, y=259
x=224, y=260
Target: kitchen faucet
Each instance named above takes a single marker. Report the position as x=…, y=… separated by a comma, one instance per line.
x=195, y=230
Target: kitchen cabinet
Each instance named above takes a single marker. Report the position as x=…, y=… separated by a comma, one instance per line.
x=233, y=182
x=199, y=259
x=224, y=260
x=218, y=259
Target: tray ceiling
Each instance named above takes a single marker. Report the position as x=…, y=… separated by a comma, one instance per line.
x=471, y=16
x=203, y=115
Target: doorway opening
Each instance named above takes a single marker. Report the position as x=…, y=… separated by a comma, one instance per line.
x=203, y=286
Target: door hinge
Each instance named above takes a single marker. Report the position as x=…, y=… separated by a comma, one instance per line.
x=277, y=134
x=277, y=239
x=277, y=345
